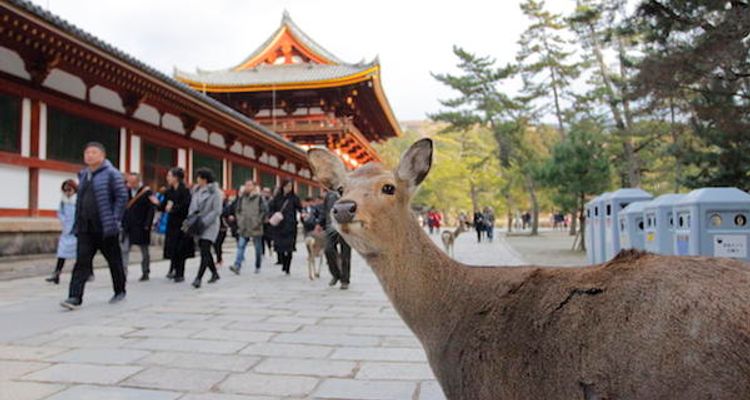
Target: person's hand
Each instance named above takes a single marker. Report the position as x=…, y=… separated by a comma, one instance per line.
x=154, y=200
x=169, y=205
x=231, y=218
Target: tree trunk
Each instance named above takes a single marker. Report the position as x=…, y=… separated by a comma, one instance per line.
x=677, y=143
x=473, y=193
x=534, y=205
x=573, y=223
x=582, y=223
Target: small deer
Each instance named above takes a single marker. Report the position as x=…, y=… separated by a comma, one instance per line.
x=641, y=326
x=449, y=238
x=315, y=243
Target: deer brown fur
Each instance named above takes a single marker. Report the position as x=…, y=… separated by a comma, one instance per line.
x=448, y=238
x=641, y=326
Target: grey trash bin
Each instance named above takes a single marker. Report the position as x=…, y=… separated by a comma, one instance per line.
x=713, y=222
x=612, y=205
x=631, y=226
x=597, y=239
x=659, y=223
x=589, y=231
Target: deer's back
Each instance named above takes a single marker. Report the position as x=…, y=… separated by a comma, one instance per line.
x=641, y=326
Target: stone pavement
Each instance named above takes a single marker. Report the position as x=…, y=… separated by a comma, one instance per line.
x=246, y=337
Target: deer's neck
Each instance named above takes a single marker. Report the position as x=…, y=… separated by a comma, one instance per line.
x=422, y=282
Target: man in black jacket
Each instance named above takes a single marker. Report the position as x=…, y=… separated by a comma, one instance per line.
x=137, y=222
x=339, y=261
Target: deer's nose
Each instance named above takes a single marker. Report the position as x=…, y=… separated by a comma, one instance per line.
x=344, y=211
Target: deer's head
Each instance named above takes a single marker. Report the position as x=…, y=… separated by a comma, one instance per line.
x=374, y=203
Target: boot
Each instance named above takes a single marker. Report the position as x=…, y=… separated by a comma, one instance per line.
x=55, y=278
x=197, y=283
x=214, y=278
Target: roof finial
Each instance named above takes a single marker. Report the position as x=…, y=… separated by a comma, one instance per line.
x=285, y=17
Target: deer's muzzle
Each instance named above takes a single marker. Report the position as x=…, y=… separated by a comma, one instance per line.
x=343, y=211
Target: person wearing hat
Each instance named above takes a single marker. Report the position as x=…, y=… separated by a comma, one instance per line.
x=101, y=203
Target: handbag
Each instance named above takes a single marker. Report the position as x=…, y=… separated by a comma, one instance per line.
x=277, y=217
x=193, y=225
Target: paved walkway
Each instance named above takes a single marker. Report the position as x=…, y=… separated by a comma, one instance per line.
x=247, y=337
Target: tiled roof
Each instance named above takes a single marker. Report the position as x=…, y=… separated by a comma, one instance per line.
x=266, y=74
x=86, y=37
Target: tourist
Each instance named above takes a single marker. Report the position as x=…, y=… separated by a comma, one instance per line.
x=99, y=209
x=160, y=217
x=338, y=253
x=479, y=225
x=178, y=246
x=206, y=203
x=267, y=234
x=285, y=232
x=250, y=213
x=488, y=218
x=223, y=227
x=137, y=223
x=66, y=213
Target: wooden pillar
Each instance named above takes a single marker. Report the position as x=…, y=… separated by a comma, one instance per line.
x=34, y=153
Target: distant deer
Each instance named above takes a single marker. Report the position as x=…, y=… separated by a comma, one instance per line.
x=315, y=243
x=641, y=326
x=449, y=238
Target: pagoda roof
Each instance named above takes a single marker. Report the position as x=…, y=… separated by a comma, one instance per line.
x=282, y=76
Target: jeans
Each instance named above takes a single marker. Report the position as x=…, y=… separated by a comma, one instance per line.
x=242, y=244
x=88, y=245
x=145, y=256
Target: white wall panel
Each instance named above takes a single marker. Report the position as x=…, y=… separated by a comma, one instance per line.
x=49, y=188
x=65, y=82
x=171, y=122
x=147, y=113
x=16, y=178
x=123, y=148
x=42, y=130
x=26, y=127
x=135, y=153
x=106, y=98
x=12, y=63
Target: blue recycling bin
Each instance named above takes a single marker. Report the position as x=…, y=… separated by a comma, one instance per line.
x=713, y=222
x=659, y=223
x=589, y=231
x=612, y=206
x=597, y=239
x=631, y=226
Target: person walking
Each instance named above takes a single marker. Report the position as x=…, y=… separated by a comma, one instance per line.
x=66, y=213
x=99, y=211
x=338, y=253
x=285, y=232
x=178, y=246
x=267, y=232
x=137, y=224
x=479, y=225
x=206, y=203
x=250, y=212
x=218, y=245
x=489, y=223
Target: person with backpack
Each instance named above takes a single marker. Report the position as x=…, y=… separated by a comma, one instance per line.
x=250, y=213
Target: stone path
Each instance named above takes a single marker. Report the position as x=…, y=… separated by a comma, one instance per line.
x=247, y=337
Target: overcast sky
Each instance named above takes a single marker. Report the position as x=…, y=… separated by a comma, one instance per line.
x=412, y=38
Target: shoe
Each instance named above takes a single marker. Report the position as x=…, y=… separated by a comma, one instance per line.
x=235, y=269
x=333, y=282
x=144, y=278
x=179, y=279
x=170, y=274
x=117, y=298
x=214, y=279
x=257, y=270
x=71, y=303
x=91, y=278
x=344, y=286
x=197, y=283
x=54, y=279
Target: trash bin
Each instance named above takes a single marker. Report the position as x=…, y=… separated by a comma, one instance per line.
x=659, y=223
x=612, y=205
x=589, y=231
x=597, y=239
x=713, y=222
x=631, y=226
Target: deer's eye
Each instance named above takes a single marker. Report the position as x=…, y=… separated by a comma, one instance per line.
x=388, y=189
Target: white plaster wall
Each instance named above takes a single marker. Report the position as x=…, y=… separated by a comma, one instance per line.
x=66, y=83
x=171, y=122
x=249, y=152
x=200, y=133
x=17, y=179
x=236, y=148
x=106, y=98
x=182, y=158
x=12, y=63
x=42, y=130
x=147, y=113
x=49, y=188
x=217, y=140
x=135, y=153
x=123, y=148
x=26, y=127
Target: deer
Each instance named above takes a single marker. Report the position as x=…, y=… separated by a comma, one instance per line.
x=448, y=237
x=315, y=243
x=641, y=326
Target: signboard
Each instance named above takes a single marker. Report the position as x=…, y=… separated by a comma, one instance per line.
x=732, y=246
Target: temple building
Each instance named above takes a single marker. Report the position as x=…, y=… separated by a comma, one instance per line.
x=293, y=86
x=61, y=87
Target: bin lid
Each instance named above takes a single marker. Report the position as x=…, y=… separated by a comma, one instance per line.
x=630, y=193
x=664, y=201
x=604, y=197
x=635, y=207
x=719, y=195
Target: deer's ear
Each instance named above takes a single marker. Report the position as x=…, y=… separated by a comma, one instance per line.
x=327, y=168
x=415, y=163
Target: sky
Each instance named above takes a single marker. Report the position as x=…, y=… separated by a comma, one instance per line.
x=412, y=38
